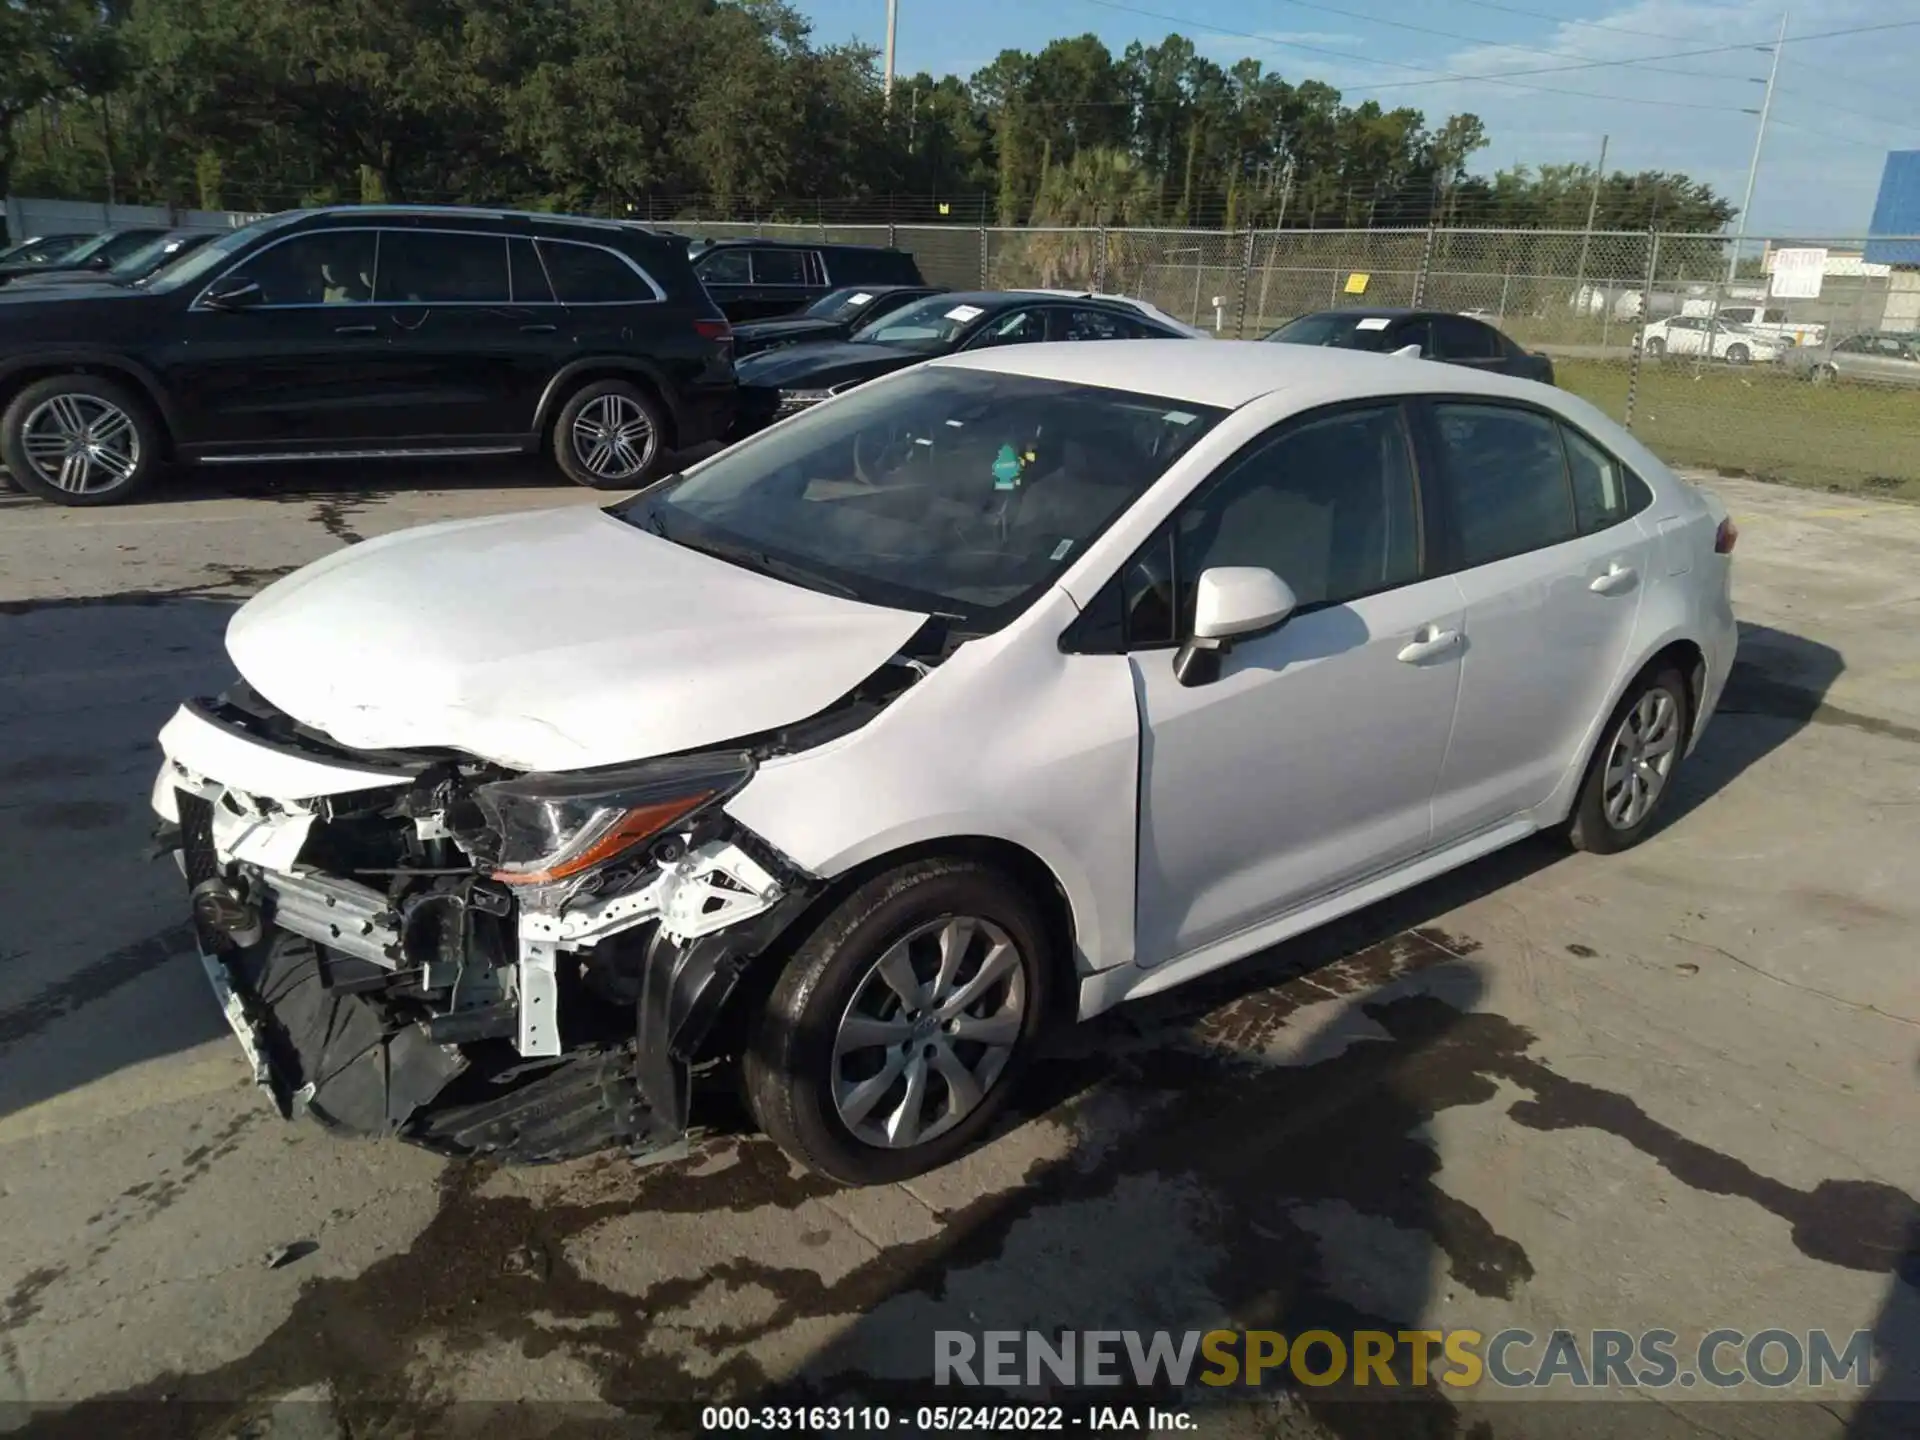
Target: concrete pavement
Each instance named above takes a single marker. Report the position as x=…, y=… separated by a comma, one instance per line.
x=1675, y=1088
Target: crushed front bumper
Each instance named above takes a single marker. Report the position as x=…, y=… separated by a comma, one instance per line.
x=301, y=962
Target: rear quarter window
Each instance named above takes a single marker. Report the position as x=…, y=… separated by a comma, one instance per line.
x=589, y=275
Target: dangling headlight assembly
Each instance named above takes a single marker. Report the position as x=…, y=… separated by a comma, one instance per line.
x=557, y=827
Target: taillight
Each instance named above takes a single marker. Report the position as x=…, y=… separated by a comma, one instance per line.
x=714, y=330
x=1726, y=537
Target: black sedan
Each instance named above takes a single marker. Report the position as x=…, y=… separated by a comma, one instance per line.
x=97, y=255
x=150, y=257
x=1440, y=334
x=775, y=384
x=834, y=316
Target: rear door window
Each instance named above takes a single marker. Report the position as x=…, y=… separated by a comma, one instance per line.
x=430, y=267
x=779, y=267
x=1507, y=480
x=1455, y=337
x=1605, y=491
x=589, y=275
x=529, y=279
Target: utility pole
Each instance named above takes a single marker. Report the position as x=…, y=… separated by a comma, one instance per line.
x=1586, y=236
x=893, y=20
x=1753, y=169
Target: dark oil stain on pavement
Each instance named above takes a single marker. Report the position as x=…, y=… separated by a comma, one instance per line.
x=221, y=582
x=332, y=517
x=92, y=981
x=1262, y=1142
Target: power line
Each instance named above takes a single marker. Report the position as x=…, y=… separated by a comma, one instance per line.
x=1441, y=76
x=1905, y=124
x=1454, y=35
x=1612, y=29
x=1676, y=55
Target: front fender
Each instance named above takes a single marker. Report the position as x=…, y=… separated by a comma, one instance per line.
x=101, y=362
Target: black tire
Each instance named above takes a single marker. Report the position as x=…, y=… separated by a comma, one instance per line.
x=790, y=1066
x=1738, y=354
x=596, y=407
x=1590, y=827
x=1656, y=347
x=123, y=462
x=1823, y=375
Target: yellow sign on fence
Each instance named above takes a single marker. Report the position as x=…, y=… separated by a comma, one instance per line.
x=1357, y=283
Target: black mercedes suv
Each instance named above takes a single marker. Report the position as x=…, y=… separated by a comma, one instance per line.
x=370, y=332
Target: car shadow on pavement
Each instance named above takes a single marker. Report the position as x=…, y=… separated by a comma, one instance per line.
x=1777, y=688
x=96, y=965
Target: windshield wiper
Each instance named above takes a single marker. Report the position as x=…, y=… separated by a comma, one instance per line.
x=787, y=570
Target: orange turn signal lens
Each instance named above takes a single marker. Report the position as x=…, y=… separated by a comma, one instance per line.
x=641, y=823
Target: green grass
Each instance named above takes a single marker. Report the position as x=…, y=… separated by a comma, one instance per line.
x=1761, y=423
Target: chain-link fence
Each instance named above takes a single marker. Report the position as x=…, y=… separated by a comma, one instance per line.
x=1797, y=360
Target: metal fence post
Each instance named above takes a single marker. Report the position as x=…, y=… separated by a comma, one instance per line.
x=1100, y=259
x=1646, y=316
x=1246, y=284
x=983, y=257
x=1426, y=263
x=893, y=236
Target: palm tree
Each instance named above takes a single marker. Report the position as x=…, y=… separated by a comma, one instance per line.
x=1096, y=188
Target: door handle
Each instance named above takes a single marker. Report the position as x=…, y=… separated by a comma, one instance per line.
x=356, y=329
x=1428, y=641
x=1618, y=577
x=538, y=329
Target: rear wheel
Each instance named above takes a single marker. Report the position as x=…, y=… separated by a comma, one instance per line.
x=897, y=1031
x=79, y=440
x=1632, y=772
x=1656, y=347
x=610, y=435
x=1823, y=375
x=1738, y=355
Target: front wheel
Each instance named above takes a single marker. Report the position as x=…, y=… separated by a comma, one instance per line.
x=610, y=435
x=1738, y=355
x=79, y=440
x=1632, y=772
x=1656, y=347
x=897, y=1031
x=1823, y=375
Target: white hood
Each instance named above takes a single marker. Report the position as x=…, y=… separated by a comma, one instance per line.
x=555, y=640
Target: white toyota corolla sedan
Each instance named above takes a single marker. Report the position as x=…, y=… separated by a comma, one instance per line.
x=980, y=699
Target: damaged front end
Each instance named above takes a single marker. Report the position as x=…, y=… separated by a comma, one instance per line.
x=429, y=945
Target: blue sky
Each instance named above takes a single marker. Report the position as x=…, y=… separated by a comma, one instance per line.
x=1839, y=106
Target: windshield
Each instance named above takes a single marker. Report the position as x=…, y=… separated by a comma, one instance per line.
x=41, y=250
x=954, y=491
x=185, y=269
x=839, y=304
x=141, y=260
x=933, y=325
x=1342, y=331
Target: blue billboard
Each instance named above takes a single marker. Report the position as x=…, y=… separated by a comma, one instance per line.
x=1897, y=211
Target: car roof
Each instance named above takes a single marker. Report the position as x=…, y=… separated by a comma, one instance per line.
x=480, y=214
x=774, y=242
x=1232, y=373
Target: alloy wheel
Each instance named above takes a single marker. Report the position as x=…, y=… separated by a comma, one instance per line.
x=1640, y=759
x=930, y=1028
x=81, y=443
x=613, y=438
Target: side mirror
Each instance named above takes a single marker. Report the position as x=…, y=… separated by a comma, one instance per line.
x=1231, y=602
x=234, y=292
